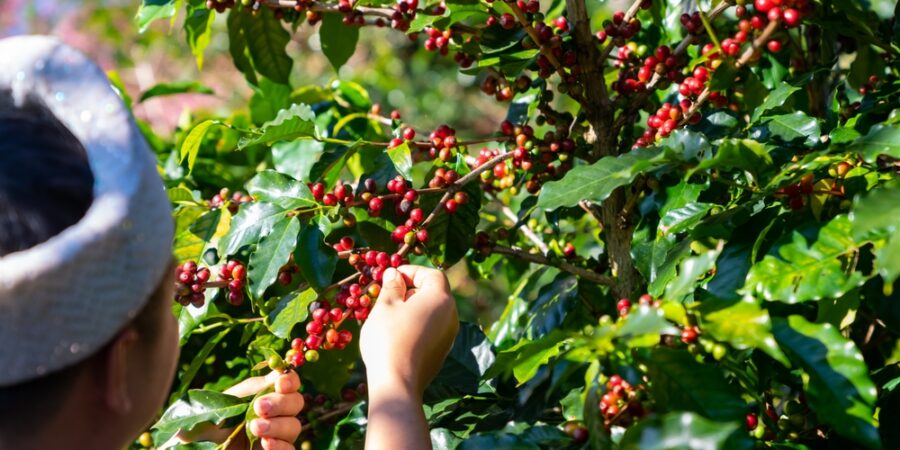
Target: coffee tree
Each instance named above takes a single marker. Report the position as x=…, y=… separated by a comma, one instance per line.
x=693, y=208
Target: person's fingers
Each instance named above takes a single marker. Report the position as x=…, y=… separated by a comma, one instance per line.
x=393, y=287
x=282, y=428
x=424, y=278
x=274, y=405
x=250, y=386
x=287, y=383
x=275, y=444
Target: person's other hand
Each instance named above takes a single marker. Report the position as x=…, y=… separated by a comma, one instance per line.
x=277, y=426
x=410, y=330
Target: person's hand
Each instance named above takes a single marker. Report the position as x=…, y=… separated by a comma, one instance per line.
x=277, y=426
x=410, y=329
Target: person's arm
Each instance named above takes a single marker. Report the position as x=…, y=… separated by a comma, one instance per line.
x=404, y=343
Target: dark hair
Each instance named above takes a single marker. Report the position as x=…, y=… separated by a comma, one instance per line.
x=46, y=183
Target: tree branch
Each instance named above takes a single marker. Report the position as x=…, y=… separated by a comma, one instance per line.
x=581, y=272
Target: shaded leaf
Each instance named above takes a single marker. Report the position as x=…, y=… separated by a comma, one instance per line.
x=266, y=42
x=402, y=159
x=338, y=40
x=877, y=216
x=679, y=382
x=838, y=387
x=317, y=259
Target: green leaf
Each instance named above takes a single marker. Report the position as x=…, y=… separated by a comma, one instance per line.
x=684, y=218
x=266, y=42
x=178, y=87
x=338, y=40
x=644, y=325
x=198, y=407
x=525, y=358
x=200, y=232
x=316, y=258
x=153, y=10
x=881, y=140
x=198, y=28
x=796, y=125
x=877, y=216
x=741, y=323
x=450, y=236
x=741, y=154
x=199, y=358
x=250, y=224
x=775, y=100
x=238, y=42
x=296, y=122
x=272, y=253
x=280, y=189
x=802, y=272
x=289, y=311
x=690, y=271
x=838, y=387
x=470, y=358
x=679, y=382
x=402, y=159
x=596, y=181
x=191, y=145
x=684, y=431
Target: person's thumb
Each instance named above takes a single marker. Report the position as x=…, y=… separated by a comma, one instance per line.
x=393, y=287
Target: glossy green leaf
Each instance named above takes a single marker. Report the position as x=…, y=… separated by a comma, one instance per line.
x=684, y=431
x=338, y=40
x=317, y=259
x=597, y=181
x=296, y=122
x=402, y=159
x=525, y=358
x=795, y=126
x=801, y=272
x=198, y=407
x=280, y=189
x=469, y=359
x=642, y=322
x=741, y=154
x=690, y=271
x=251, y=223
x=191, y=145
x=198, y=230
x=292, y=309
x=775, y=100
x=238, y=42
x=838, y=387
x=679, y=382
x=153, y=10
x=272, y=253
x=881, y=140
x=198, y=29
x=178, y=87
x=741, y=323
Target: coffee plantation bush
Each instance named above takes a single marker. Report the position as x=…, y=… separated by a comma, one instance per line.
x=693, y=208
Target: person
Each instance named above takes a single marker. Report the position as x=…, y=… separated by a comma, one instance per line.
x=90, y=345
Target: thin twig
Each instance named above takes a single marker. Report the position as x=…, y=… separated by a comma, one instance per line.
x=588, y=275
x=526, y=230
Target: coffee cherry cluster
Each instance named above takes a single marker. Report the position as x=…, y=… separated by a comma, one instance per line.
x=621, y=403
x=235, y=275
x=438, y=40
x=234, y=201
x=341, y=194
x=620, y=30
x=623, y=306
x=190, y=280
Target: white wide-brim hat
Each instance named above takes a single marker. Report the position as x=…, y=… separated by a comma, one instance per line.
x=62, y=300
